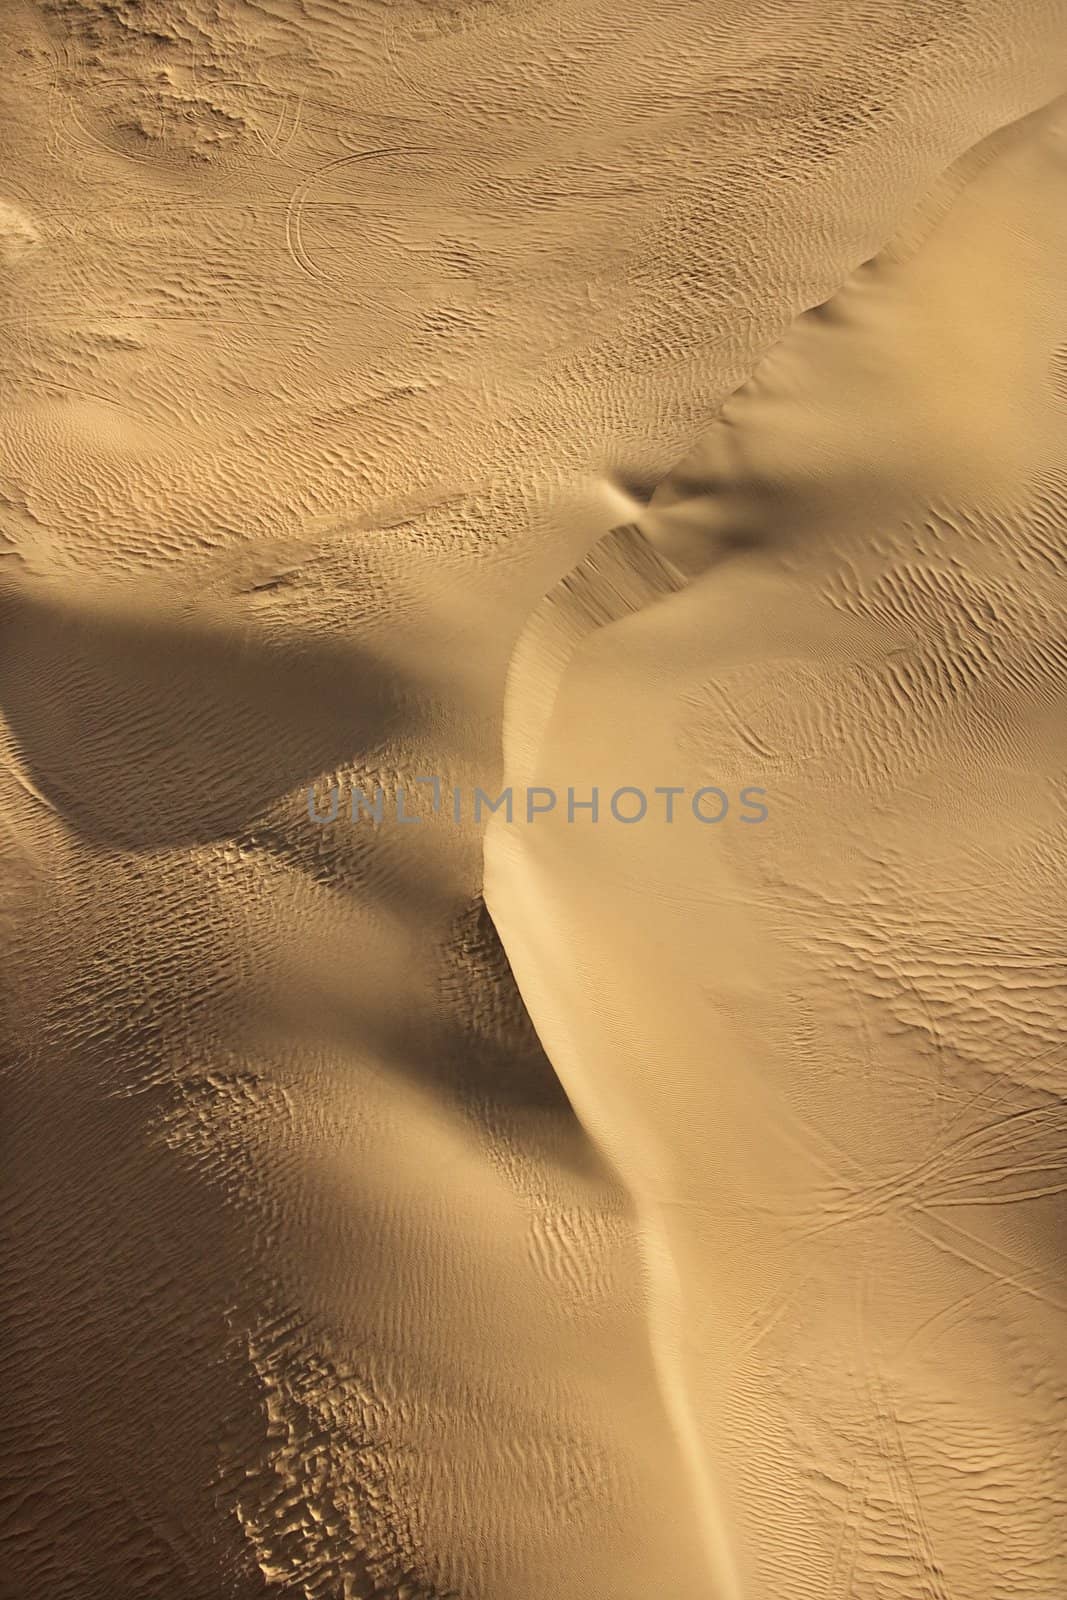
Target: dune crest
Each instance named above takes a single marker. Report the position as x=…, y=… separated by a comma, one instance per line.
x=826, y=1059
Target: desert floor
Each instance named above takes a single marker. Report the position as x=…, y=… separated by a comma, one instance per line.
x=536, y=396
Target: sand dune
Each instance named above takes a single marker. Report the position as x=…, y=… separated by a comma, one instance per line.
x=826, y=1055
x=534, y=1210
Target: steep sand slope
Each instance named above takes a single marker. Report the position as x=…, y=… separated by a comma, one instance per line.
x=825, y=1053
x=329, y=330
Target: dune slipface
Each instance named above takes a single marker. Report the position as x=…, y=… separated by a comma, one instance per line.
x=404, y=1201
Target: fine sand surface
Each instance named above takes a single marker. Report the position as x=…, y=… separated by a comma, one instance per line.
x=550, y=1211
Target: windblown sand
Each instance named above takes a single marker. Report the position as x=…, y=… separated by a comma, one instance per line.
x=568, y=1210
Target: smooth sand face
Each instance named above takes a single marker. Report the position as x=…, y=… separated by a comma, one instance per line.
x=683, y=1217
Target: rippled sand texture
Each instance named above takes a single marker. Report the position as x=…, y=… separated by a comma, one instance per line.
x=826, y=1055
x=714, y=1252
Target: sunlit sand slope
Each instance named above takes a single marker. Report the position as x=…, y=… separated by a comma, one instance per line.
x=825, y=1052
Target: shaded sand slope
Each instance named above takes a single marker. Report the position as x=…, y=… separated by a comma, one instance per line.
x=330, y=331
x=826, y=1053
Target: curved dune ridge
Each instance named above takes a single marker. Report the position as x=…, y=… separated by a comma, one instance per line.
x=827, y=1059
x=541, y=1211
